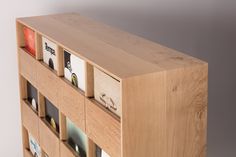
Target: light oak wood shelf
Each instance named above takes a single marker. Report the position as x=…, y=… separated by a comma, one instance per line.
x=138, y=99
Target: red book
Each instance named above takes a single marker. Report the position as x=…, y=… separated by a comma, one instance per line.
x=29, y=36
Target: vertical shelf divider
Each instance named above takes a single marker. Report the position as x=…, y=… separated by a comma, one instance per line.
x=23, y=87
x=41, y=105
x=60, y=61
x=63, y=129
x=89, y=78
x=25, y=138
x=91, y=148
x=38, y=46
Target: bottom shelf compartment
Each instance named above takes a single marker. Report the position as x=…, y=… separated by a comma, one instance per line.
x=49, y=141
x=66, y=150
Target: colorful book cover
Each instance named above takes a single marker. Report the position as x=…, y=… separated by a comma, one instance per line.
x=29, y=36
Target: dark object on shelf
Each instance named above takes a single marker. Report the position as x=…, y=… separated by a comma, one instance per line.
x=51, y=64
x=52, y=115
x=32, y=96
x=77, y=148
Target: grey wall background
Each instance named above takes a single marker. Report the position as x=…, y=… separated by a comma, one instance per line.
x=205, y=29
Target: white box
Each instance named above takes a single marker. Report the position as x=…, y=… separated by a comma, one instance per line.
x=50, y=52
x=74, y=70
x=107, y=91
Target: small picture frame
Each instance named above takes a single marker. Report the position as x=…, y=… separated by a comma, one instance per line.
x=50, y=52
x=52, y=115
x=74, y=70
x=77, y=139
x=32, y=96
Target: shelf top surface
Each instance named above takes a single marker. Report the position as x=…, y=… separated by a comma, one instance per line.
x=118, y=53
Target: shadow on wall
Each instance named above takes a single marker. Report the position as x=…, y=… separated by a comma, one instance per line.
x=210, y=36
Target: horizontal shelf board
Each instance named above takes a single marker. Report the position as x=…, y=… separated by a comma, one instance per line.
x=107, y=111
x=118, y=53
x=72, y=104
x=27, y=66
x=49, y=141
x=30, y=120
x=103, y=129
x=66, y=150
x=50, y=127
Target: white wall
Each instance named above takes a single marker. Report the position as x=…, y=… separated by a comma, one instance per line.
x=203, y=28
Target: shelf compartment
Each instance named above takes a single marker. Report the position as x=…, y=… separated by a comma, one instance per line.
x=26, y=38
x=27, y=66
x=52, y=55
x=32, y=96
x=72, y=105
x=76, y=138
x=49, y=140
x=103, y=128
x=107, y=91
x=52, y=115
x=30, y=119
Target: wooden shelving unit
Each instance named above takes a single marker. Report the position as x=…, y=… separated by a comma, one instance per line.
x=140, y=99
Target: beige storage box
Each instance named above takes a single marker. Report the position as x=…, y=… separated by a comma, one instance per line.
x=107, y=91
